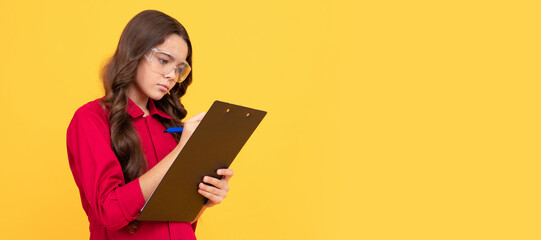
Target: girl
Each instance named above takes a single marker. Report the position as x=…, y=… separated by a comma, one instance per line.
x=117, y=150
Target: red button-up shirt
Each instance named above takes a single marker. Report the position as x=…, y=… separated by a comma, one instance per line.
x=108, y=201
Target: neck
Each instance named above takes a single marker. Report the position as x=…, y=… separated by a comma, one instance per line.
x=140, y=99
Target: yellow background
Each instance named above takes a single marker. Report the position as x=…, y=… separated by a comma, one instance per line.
x=386, y=119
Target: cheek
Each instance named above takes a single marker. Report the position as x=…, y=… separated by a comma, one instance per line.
x=143, y=75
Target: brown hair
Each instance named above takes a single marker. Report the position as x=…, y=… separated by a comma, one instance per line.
x=143, y=32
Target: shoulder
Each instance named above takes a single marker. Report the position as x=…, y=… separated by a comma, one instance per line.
x=93, y=107
x=90, y=123
x=91, y=111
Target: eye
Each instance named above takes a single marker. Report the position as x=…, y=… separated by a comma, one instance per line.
x=163, y=61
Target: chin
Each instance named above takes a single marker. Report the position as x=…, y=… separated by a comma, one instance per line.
x=156, y=96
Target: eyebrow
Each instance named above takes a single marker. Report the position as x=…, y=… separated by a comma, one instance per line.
x=172, y=58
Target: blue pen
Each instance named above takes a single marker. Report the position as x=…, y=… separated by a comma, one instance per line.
x=173, y=130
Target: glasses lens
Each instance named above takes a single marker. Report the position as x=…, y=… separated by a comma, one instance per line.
x=162, y=62
x=183, y=72
x=165, y=63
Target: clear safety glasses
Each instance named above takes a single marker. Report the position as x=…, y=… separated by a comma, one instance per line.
x=163, y=63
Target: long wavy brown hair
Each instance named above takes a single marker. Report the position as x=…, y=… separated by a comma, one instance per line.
x=143, y=32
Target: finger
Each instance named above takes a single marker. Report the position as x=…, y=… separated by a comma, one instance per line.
x=227, y=174
x=225, y=171
x=198, y=117
x=214, y=181
x=212, y=190
x=210, y=196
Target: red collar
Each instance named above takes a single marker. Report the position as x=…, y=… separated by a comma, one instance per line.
x=136, y=112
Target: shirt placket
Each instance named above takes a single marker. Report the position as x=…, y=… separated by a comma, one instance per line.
x=152, y=139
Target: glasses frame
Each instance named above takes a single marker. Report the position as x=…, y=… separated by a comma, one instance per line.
x=179, y=78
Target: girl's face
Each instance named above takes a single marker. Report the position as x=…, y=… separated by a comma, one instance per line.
x=151, y=83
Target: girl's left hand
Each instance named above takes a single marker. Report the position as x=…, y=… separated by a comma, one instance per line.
x=217, y=193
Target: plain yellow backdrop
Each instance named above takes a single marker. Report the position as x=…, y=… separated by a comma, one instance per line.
x=386, y=119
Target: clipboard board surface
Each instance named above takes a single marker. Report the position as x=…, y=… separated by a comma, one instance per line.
x=214, y=144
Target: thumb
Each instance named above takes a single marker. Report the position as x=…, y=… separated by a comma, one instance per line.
x=198, y=117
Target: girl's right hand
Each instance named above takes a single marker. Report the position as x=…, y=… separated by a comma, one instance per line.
x=189, y=127
x=150, y=180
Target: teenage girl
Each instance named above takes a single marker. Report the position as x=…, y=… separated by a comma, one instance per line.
x=117, y=150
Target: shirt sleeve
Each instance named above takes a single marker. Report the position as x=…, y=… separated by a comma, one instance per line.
x=98, y=173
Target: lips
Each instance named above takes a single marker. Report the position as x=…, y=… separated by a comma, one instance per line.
x=163, y=87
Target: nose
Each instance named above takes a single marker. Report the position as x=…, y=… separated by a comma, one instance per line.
x=170, y=75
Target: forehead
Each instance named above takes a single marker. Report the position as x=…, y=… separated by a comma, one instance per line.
x=175, y=45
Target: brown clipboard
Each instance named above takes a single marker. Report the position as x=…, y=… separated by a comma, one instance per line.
x=214, y=144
